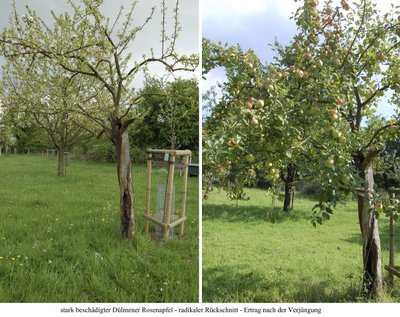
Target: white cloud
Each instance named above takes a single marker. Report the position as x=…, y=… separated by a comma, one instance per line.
x=224, y=9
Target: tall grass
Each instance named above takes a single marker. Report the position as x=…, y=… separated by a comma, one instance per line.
x=60, y=239
x=253, y=252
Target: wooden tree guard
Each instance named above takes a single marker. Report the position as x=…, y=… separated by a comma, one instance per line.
x=165, y=222
x=392, y=268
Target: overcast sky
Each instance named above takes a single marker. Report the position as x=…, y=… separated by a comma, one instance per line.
x=149, y=37
x=255, y=24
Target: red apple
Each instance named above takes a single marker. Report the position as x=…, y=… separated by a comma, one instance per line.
x=309, y=56
x=339, y=101
x=329, y=20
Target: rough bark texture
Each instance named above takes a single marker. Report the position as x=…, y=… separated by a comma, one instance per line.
x=125, y=184
x=372, y=265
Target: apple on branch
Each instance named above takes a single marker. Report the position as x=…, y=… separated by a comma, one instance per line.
x=249, y=158
x=254, y=121
x=319, y=63
x=260, y=103
x=330, y=162
x=249, y=103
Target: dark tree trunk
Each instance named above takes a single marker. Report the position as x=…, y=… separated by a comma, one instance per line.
x=125, y=182
x=289, y=179
x=288, y=196
x=372, y=265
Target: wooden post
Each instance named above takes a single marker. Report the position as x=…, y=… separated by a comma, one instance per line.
x=148, y=191
x=182, y=212
x=170, y=187
x=391, y=243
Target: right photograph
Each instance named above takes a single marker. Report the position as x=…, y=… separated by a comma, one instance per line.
x=301, y=151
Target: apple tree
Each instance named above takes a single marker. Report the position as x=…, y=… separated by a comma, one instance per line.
x=86, y=44
x=41, y=94
x=332, y=77
x=358, y=48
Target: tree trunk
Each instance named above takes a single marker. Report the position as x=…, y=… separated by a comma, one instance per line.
x=61, y=161
x=62, y=144
x=288, y=196
x=288, y=179
x=372, y=266
x=125, y=182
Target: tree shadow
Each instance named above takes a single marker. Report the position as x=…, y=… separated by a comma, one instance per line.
x=232, y=285
x=254, y=213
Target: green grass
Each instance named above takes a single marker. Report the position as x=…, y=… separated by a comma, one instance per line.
x=60, y=238
x=253, y=252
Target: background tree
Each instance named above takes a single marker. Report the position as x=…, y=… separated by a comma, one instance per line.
x=170, y=117
x=44, y=95
x=86, y=44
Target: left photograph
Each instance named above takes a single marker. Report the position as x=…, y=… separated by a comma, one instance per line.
x=99, y=150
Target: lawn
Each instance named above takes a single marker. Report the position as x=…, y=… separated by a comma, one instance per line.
x=60, y=238
x=252, y=252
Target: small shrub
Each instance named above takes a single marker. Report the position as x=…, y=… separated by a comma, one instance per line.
x=103, y=152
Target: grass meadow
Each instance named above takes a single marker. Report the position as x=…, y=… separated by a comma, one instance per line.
x=60, y=238
x=253, y=252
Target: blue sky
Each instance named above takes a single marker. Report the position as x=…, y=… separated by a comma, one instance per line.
x=255, y=24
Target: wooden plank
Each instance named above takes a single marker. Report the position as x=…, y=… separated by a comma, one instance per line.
x=393, y=269
x=154, y=220
x=173, y=152
x=393, y=190
x=177, y=222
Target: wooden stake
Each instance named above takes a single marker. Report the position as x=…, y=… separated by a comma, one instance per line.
x=182, y=212
x=170, y=186
x=391, y=243
x=148, y=191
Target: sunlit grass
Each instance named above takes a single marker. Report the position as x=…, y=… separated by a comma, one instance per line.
x=60, y=238
x=253, y=252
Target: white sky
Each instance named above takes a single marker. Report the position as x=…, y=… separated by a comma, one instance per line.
x=255, y=24
x=149, y=37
